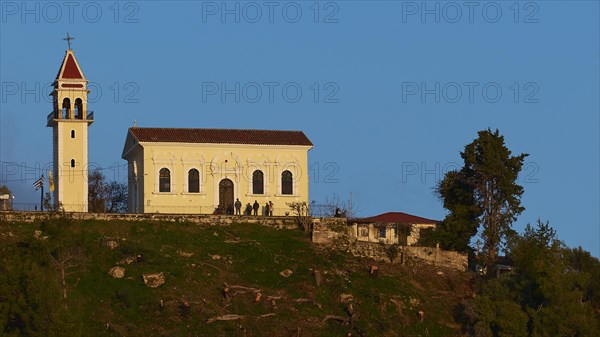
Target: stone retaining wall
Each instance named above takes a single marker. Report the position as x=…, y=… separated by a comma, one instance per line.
x=342, y=237
x=286, y=222
x=323, y=233
x=430, y=255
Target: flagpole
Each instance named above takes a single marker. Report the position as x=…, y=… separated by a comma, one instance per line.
x=40, y=184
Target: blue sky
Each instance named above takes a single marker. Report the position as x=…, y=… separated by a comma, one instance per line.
x=388, y=91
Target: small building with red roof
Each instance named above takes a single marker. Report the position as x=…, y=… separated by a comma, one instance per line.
x=391, y=228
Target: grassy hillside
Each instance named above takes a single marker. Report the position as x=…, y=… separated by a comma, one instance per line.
x=247, y=259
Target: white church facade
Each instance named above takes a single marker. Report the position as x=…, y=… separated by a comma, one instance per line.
x=203, y=171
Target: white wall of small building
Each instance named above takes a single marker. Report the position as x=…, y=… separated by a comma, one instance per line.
x=371, y=233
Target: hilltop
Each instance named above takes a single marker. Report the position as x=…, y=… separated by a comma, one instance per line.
x=211, y=272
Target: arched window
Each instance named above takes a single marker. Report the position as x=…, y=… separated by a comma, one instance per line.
x=287, y=183
x=193, y=181
x=258, y=186
x=72, y=133
x=72, y=162
x=78, y=109
x=66, y=107
x=164, y=180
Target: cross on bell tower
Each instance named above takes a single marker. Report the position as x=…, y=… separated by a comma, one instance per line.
x=68, y=39
x=69, y=120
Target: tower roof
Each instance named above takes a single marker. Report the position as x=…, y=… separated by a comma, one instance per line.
x=69, y=68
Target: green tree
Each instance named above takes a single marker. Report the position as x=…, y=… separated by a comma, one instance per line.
x=581, y=261
x=484, y=189
x=460, y=225
x=30, y=302
x=498, y=311
x=555, y=296
x=550, y=294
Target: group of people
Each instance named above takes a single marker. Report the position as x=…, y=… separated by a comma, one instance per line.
x=249, y=209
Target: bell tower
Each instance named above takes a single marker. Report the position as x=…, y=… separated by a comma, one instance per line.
x=69, y=121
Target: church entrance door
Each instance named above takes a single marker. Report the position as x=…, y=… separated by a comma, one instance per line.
x=226, y=195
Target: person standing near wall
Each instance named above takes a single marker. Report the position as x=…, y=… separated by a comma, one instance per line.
x=238, y=207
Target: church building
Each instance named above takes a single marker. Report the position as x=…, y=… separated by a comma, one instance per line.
x=182, y=171
x=200, y=171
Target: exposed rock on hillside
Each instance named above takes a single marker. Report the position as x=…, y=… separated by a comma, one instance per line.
x=154, y=280
x=117, y=272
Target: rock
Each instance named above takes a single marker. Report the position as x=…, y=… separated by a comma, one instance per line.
x=117, y=272
x=286, y=273
x=129, y=259
x=109, y=242
x=184, y=254
x=154, y=280
x=346, y=298
x=440, y=272
x=414, y=301
x=215, y=257
x=36, y=234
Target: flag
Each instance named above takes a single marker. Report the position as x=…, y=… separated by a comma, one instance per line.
x=50, y=181
x=39, y=183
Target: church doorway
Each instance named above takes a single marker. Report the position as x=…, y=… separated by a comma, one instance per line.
x=226, y=195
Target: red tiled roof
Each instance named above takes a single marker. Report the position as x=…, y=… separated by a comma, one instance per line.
x=221, y=136
x=399, y=217
x=71, y=71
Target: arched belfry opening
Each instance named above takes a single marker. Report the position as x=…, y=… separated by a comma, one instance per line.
x=66, y=108
x=78, y=109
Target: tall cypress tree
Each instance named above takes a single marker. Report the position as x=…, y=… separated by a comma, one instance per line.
x=484, y=193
